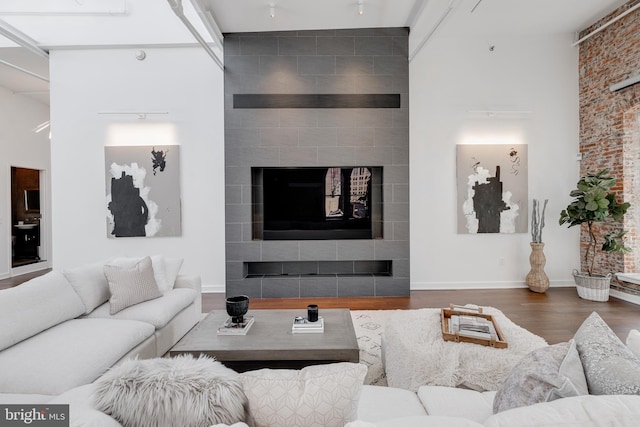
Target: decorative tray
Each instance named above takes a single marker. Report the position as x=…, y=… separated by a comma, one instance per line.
x=464, y=324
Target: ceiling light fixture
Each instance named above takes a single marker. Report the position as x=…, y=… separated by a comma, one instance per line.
x=272, y=11
x=360, y=7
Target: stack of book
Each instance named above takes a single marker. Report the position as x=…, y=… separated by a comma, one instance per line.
x=472, y=326
x=230, y=328
x=302, y=325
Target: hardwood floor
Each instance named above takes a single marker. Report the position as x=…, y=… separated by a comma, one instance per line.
x=554, y=315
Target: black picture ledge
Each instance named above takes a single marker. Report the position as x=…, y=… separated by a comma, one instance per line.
x=387, y=100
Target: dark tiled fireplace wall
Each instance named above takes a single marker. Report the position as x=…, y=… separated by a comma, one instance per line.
x=334, y=62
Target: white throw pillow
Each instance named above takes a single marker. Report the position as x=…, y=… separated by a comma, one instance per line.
x=172, y=269
x=180, y=391
x=90, y=284
x=165, y=270
x=545, y=374
x=609, y=365
x=321, y=395
x=131, y=285
x=633, y=342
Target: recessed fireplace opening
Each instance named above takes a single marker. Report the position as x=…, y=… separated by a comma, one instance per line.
x=317, y=203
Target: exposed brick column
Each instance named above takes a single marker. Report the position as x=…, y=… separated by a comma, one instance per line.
x=609, y=136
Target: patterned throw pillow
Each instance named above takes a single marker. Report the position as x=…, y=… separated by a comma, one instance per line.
x=131, y=285
x=610, y=367
x=322, y=395
x=545, y=374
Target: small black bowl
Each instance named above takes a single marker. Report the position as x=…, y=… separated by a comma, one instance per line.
x=237, y=307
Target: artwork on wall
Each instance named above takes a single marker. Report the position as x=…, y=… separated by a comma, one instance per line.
x=492, y=182
x=143, y=191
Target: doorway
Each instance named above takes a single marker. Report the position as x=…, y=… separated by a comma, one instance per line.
x=26, y=217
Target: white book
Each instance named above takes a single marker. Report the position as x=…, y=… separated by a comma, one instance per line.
x=302, y=325
x=230, y=328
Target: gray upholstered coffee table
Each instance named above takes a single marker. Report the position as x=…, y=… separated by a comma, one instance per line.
x=270, y=343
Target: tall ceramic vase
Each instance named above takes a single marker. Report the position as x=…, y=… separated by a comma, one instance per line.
x=537, y=280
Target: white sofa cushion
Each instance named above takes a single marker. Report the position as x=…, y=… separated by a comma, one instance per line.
x=36, y=305
x=320, y=395
x=579, y=411
x=82, y=412
x=90, y=284
x=130, y=285
x=418, y=421
x=457, y=402
x=73, y=353
x=157, y=312
x=381, y=403
x=23, y=398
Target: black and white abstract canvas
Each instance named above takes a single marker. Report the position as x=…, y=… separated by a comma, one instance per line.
x=492, y=182
x=143, y=191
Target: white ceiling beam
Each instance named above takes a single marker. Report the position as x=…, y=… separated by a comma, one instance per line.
x=176, y=6
x=22, y=39
x=24, y=70
x=426, y=38
x=209, y=22
x=416, y=12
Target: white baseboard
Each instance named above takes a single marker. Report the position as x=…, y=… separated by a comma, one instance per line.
x=446, y=286
x=213, y=289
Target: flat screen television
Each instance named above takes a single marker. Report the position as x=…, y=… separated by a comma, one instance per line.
x=317, y=203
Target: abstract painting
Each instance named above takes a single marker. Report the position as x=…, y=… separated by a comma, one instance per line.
x=143, y=191
x=492, y=182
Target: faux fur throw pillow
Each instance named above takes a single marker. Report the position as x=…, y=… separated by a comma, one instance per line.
x=182, y=391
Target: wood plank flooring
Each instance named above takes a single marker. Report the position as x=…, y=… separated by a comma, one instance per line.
x=554, y=315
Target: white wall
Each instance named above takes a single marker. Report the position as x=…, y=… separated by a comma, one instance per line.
x=537, y=76
x=183, y=82
x=449, y=78
x=21, y=147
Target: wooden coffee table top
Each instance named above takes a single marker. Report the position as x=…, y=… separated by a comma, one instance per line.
x=270, y=339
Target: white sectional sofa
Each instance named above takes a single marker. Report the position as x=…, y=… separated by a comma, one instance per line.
x=58, y=332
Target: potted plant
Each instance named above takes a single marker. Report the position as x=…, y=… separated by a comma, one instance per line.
x=594, y=202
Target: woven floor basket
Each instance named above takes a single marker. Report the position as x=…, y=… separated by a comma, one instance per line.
x=594, y=288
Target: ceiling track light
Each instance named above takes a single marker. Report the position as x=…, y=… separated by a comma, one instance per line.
x=272, y=11
x=360, y=7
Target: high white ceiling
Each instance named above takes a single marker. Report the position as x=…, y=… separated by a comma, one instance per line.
x=139, y=23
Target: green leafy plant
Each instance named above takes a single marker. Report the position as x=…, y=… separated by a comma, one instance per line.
x=594, y=202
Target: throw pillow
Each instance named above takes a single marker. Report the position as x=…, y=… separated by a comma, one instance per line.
x=610, y=367
x=181, y=391
x=545, y=374
x=633, y=342
x=172, y=268
x=131, y=285
x=321, y=395
x=159, y=265
x=90, y=284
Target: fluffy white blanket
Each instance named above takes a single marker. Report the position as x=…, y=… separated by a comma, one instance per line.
x=415, y=353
